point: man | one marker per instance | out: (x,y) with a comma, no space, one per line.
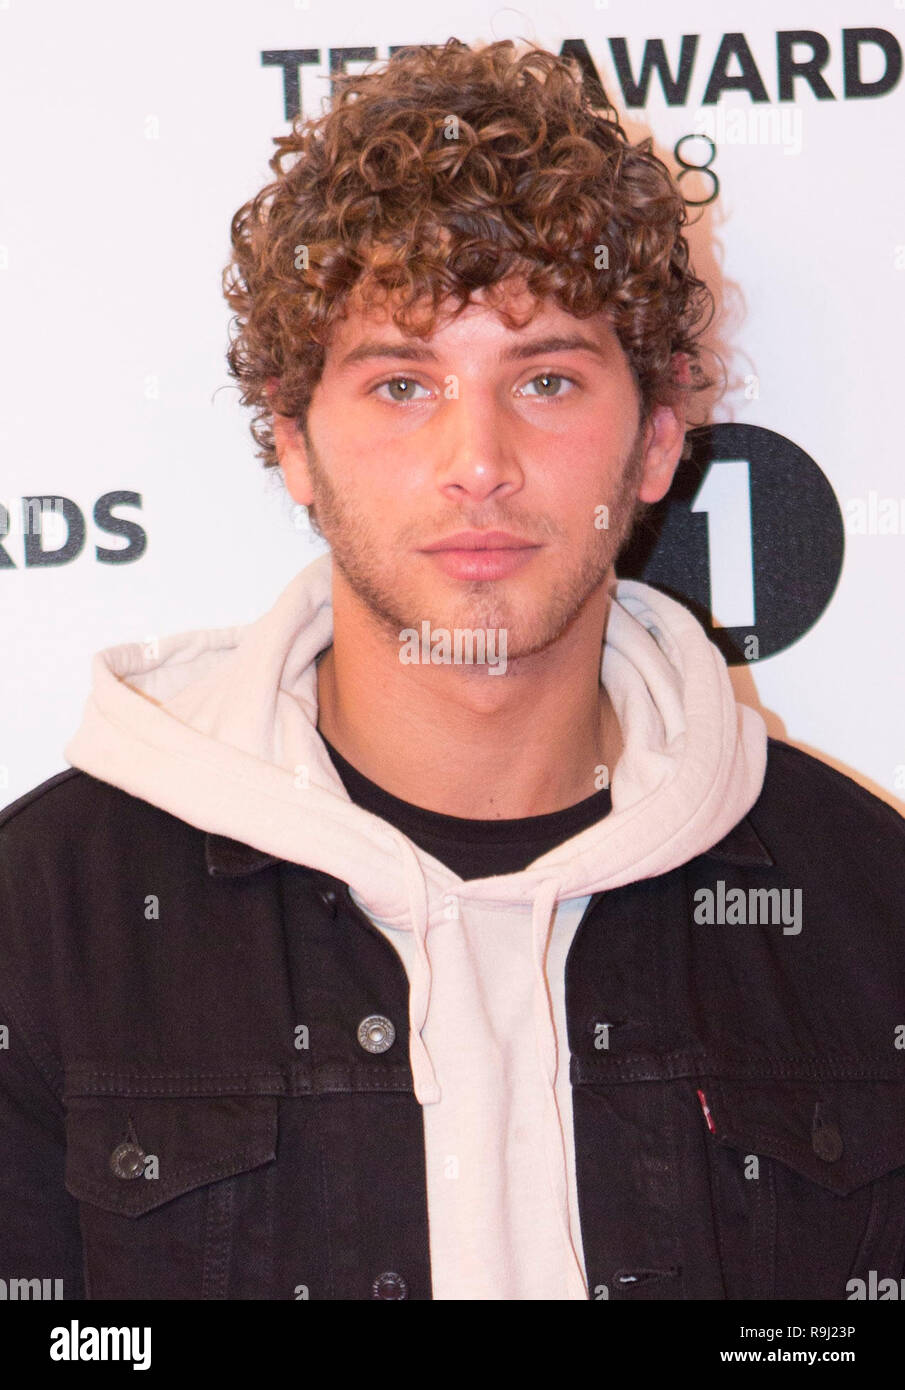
(451,932)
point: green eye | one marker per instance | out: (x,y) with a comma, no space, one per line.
(402,381)
(551,377)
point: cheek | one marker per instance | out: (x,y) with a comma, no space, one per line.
(372,483)
(579,476)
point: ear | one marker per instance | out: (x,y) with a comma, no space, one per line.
(292,453)
(664,439)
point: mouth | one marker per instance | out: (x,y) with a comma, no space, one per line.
(481,554)
(481,540)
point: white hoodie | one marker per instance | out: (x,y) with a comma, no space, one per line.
(219,728)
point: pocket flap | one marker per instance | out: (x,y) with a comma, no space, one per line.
(129,1155)
(840,1134)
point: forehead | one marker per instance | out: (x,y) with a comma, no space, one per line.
(479,322)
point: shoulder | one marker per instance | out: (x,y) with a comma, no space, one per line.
(809,812)
(44,801)
(61,802)
(798,778)
(73,821)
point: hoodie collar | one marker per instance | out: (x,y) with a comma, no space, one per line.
(218,727)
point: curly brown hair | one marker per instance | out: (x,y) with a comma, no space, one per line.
(446,171)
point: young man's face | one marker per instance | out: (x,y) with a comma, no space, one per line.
(477,428)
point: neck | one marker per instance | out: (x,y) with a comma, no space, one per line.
(451,738)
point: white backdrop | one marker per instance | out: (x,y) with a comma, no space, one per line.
(130,134)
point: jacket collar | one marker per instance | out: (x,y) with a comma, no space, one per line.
(742,846)
(231,858)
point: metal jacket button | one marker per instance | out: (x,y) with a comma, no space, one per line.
(376,1034)
(389,1285)
(128,1160)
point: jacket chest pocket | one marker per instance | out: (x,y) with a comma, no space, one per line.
(174,1194)
(808,1184)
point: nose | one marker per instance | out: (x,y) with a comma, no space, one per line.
(476,457)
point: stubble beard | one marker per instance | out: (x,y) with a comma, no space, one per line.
(361,558)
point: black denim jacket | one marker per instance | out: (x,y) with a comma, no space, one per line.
(169,1129)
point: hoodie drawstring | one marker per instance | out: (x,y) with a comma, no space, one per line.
(424,1076)
(543,915)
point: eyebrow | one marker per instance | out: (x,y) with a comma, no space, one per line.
(415,351)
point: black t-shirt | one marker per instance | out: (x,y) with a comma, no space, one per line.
(472,848)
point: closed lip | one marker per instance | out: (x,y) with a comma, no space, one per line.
(482,540)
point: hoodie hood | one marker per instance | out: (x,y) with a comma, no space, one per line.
(219,728)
